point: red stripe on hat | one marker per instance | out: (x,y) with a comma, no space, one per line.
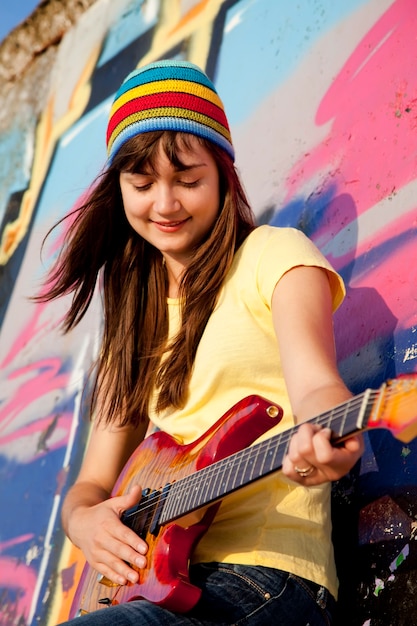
(174,99)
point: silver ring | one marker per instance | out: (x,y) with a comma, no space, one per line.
(305,471)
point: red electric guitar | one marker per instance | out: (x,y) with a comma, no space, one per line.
(181,479)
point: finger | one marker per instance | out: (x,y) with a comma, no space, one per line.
(105,558)
(119,559)
(117,571)
(127,500)
(301,447)
(305,474)
(117,539)
(323,450)
(301,462)
(355,444)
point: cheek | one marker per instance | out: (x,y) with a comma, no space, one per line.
(133,206)
(128,212)
(214,208)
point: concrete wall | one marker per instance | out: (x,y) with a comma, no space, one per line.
(322,101)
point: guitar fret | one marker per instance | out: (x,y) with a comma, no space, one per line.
(207,490)
(271,458)
(249,466)
(211,483)
(190,500)
(173,504)
(343,419)
(228,466)
(213,486)
(245,465)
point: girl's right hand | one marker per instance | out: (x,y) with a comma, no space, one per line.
(107,544)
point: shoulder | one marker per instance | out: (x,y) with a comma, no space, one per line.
(287,238)
(263,233)
(269,252)
(283,247)
(281,242)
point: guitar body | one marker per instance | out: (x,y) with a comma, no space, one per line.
(180,480)
(159,461)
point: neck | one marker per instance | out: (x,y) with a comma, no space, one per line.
(175,270)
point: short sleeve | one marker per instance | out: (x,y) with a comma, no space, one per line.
(281,249)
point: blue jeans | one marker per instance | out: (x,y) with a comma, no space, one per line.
(237,595)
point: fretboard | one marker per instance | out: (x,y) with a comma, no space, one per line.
(246,466)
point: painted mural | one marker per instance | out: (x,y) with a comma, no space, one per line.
(322,101)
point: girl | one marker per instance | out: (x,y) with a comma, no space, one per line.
(202,309)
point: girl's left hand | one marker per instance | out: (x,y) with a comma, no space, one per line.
(313,460)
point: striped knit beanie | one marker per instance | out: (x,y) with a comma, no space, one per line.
(168,95)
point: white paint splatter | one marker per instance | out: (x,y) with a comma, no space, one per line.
(410,353)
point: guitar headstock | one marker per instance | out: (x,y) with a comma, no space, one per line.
(395,407)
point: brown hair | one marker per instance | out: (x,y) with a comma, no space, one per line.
(134,283)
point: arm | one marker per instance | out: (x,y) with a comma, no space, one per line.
(91,519)
(303,322)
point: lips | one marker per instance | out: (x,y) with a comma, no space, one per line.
(170,226)
(170,223)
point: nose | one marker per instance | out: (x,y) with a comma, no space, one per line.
(166,201)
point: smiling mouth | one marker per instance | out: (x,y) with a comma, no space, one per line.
(171,224)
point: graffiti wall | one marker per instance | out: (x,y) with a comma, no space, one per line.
(322,101)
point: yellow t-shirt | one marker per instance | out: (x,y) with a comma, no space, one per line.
(272,522)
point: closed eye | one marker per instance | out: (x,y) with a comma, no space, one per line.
(143,187)
(189,183)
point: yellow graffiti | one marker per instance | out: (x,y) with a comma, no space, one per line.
(190,30)
(47,134)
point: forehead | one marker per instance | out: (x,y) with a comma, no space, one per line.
(151,151)
(185,151)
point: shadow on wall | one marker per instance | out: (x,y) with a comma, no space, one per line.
(364,324)
(374,506)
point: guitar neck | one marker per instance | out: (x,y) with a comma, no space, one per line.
(214,482)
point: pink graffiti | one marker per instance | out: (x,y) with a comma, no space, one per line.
(27,384)
(398,287)
(37,379)
(44,378)
(34,326)
(39,428)
(369,155)
(17,576)
(372,107)
(25,337)
(22,579)
(5,545)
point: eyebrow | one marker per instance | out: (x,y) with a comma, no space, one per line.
(190,166)
(183,168)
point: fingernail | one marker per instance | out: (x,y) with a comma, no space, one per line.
(133,577)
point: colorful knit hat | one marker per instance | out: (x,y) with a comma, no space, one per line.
(168,95)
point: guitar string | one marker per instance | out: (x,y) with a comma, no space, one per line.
(278,445)
(216,468)
(185,484)
(277,441)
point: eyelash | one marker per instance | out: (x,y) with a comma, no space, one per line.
(185,184)
(194,183)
